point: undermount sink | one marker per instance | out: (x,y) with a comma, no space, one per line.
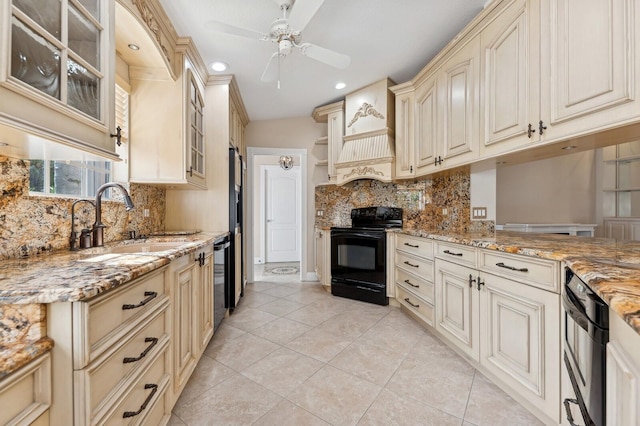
(146,247)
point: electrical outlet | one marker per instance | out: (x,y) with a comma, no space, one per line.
(319,212)
(445,212)
(478,213)
(145,212)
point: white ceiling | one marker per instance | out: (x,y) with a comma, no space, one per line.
(384,38)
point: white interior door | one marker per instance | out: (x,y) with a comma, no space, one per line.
(282,202)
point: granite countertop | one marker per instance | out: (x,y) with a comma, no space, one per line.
(609,267)
(65,276)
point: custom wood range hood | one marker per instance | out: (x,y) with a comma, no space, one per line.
(368,150)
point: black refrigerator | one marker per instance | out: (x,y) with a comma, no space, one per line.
(235,228)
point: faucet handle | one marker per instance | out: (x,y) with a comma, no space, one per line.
(85,238)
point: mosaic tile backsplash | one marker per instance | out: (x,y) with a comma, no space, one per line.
(34,224)
(436,204)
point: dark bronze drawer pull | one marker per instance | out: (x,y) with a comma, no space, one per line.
(411,245)
(502,265)
(406,262)
(471,280)
(406,299)
(153,340)
(452,253)
(150,296)
(145,403)
(411,284)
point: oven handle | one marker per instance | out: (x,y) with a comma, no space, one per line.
(368,236)
(574,310)
(567,410)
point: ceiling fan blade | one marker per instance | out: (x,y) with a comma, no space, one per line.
(329,57)
(221,27)
(270,73)
(302,12)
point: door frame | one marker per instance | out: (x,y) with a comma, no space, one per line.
(251,209)
(263,205)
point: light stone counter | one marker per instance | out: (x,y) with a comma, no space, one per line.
(26,284)
(609,267)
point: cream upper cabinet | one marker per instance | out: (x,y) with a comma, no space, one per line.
(460,84)
(510,76)
(333,115)
(405,141)
(590,63)
(57,71)
(437,124)
(167,124)
(427,125)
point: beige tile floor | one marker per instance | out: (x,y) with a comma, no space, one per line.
(293,354)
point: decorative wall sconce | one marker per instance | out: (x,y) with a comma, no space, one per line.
(286,162)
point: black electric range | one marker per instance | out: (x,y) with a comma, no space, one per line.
(358,254)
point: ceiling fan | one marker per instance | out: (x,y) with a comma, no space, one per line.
(286,33)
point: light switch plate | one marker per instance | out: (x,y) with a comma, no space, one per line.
(478,213)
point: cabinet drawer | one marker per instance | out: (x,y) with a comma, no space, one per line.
(139,400)
(415,245)
(457,253)
(415,265)
(104,320)
(541,273)
(26,393)
(423,287)
(110,372)
(415,304)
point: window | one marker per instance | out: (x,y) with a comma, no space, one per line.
(72,178)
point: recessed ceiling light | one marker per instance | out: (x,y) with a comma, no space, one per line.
(219,66)
(4,144)
(340,85)
(569,147)
(133,46)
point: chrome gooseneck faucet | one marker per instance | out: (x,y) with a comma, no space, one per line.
(73,243)
(98,226)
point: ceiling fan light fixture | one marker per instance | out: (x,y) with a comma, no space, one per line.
(340,85)
(219,66)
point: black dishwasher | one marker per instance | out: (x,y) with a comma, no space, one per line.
(221,250)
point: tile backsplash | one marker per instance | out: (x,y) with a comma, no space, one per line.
(436,203)
(31,224)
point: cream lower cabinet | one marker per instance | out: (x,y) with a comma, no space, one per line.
(509,327)
(623,373)
(192,306)
(25,395)
(413,276)
(322,256)
(110,362)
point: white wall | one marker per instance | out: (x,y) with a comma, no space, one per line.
(556,190)
(299,133)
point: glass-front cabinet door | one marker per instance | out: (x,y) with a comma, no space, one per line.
(59,57)
(196,128)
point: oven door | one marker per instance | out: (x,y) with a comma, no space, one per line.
(358,256)
(584,358)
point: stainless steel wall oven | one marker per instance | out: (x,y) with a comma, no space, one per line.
(586,335)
